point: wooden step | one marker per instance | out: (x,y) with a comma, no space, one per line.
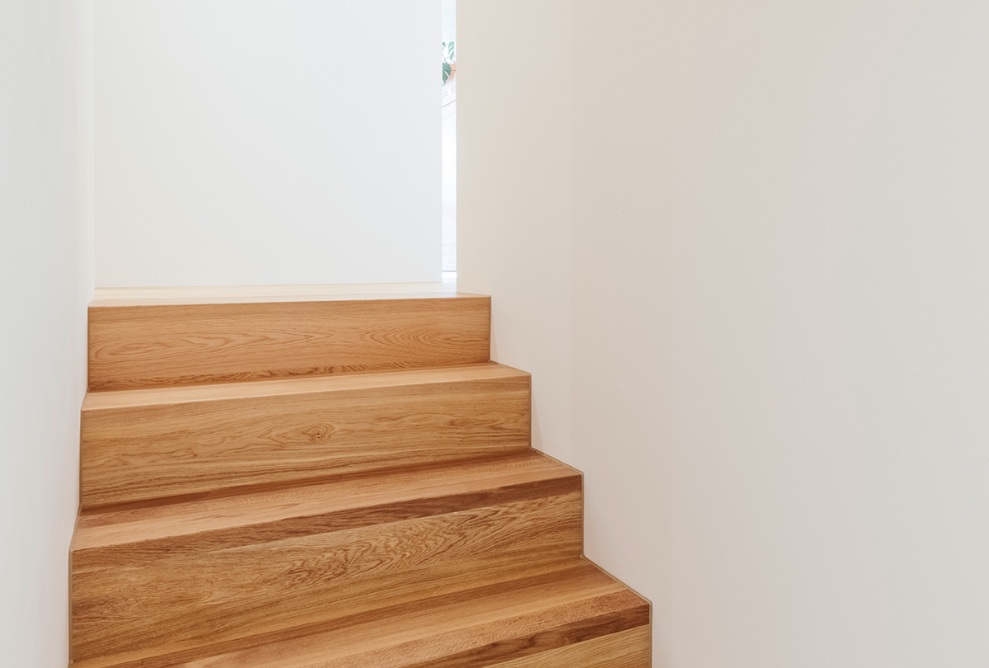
(155,342)
(163,580)
(147,444)
(572,616)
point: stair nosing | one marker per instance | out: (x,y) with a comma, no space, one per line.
(260,389)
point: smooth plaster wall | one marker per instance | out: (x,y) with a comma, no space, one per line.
(243,142)
(774,238)
(515,189)
(46,280)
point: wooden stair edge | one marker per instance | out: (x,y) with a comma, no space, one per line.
(562,610)
(179,599)
(264,388)
(623,649)
(369,497)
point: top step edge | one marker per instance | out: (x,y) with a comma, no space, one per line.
(263,294)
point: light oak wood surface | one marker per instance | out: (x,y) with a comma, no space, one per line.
(624,649)
(139,445)
(342,504)
(299,479)
(513,621)
(510,622)
(185,344)
(202,579)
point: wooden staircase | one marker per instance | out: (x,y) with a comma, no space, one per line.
(315,482)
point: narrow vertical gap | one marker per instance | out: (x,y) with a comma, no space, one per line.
(449,139)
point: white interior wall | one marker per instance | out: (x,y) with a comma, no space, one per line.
(46,280)
(244,142)
(515,189)
(758,264)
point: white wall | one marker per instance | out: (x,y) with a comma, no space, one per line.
(514,188)
(46,280)
(246,142)
(777,311)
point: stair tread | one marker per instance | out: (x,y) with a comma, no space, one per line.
(482,626)
(424,490)
(129,398)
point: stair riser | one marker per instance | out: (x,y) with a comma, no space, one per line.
(137,453)
(156,346)
(133,601)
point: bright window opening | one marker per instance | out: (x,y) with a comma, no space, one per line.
(449,136)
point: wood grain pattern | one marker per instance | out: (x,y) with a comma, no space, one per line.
(192,588)
(366,497)
(516,619)
(270,516)
(625,649)
(145,444)
(455,587)
(186,344)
